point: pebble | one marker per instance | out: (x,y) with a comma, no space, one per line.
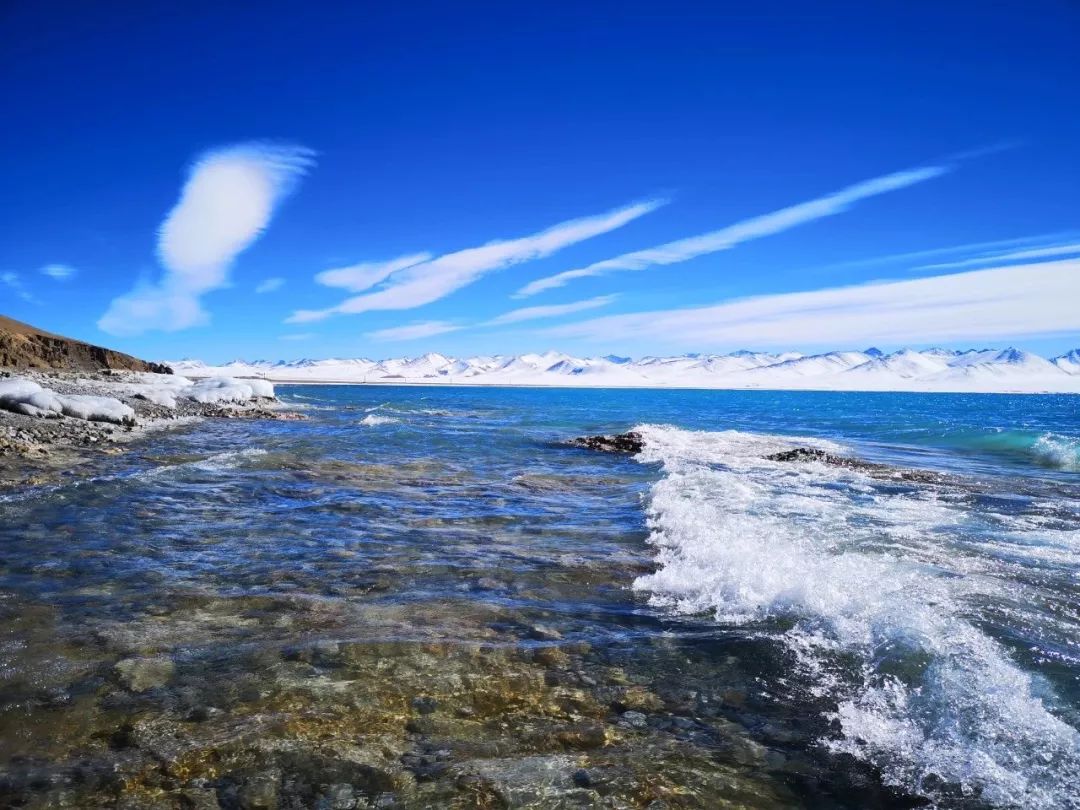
(551,657)
(199,799)
(540,632)
(338,797)
(634,719)
(425,704)
(260,792)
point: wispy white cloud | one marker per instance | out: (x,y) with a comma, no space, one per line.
(951,250)
(428,281)
(60,272)
(298,336)
(414,331)
(754,228)
(269,285)
(1014,256)
(552,311)
(1004,302)
(228,200)
(14,283)
(430,328)
(364,276)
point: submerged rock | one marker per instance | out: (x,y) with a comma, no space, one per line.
(143,674)
(630,442)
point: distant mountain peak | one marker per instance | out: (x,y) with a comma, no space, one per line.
(907,369)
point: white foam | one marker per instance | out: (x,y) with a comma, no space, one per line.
(870,575)
(374,420)
(218,462)
(1058,451)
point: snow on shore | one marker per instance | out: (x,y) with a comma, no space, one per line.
(92,400)
(24,396)
(930,370)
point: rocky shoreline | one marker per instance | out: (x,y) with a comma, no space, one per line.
(43,448)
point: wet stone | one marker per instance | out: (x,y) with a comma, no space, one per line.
(338,797)
(199,799)
(634,719)
(420,725)
(541,632)
(551,657)
(582,778)
(425,704)
(583,736)
(638,699)
(143,674)
(630,442)
(259,792)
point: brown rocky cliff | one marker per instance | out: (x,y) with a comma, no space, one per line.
(23,346)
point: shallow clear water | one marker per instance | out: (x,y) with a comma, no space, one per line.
(692,623)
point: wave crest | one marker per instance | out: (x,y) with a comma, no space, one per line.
(1058,451)
(868,575)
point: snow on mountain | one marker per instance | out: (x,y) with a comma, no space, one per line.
(1009,362)
(974,370)
(906,364)
(1069,363)
(815,365)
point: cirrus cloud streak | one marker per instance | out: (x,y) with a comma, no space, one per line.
(1004,302)
(428,281)
(551,311)
(754,228)
(414,331)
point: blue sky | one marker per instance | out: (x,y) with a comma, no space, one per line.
(279,180)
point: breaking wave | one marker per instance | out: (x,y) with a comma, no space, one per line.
(1044,448)
(374,420)
(1058,451)
(872,576)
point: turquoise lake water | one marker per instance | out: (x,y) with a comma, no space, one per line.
(832,636)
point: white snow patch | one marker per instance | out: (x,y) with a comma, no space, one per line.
(22,395)
(28,397)
(97,409)
(228,389)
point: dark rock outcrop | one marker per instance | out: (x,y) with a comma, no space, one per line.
(880,471)
(25,347)
(618,443)
(806,454)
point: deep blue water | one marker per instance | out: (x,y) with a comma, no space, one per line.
(924,629)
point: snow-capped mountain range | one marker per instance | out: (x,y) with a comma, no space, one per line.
(974,370)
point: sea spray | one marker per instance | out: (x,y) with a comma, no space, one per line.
(1058,451)
(869,574)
